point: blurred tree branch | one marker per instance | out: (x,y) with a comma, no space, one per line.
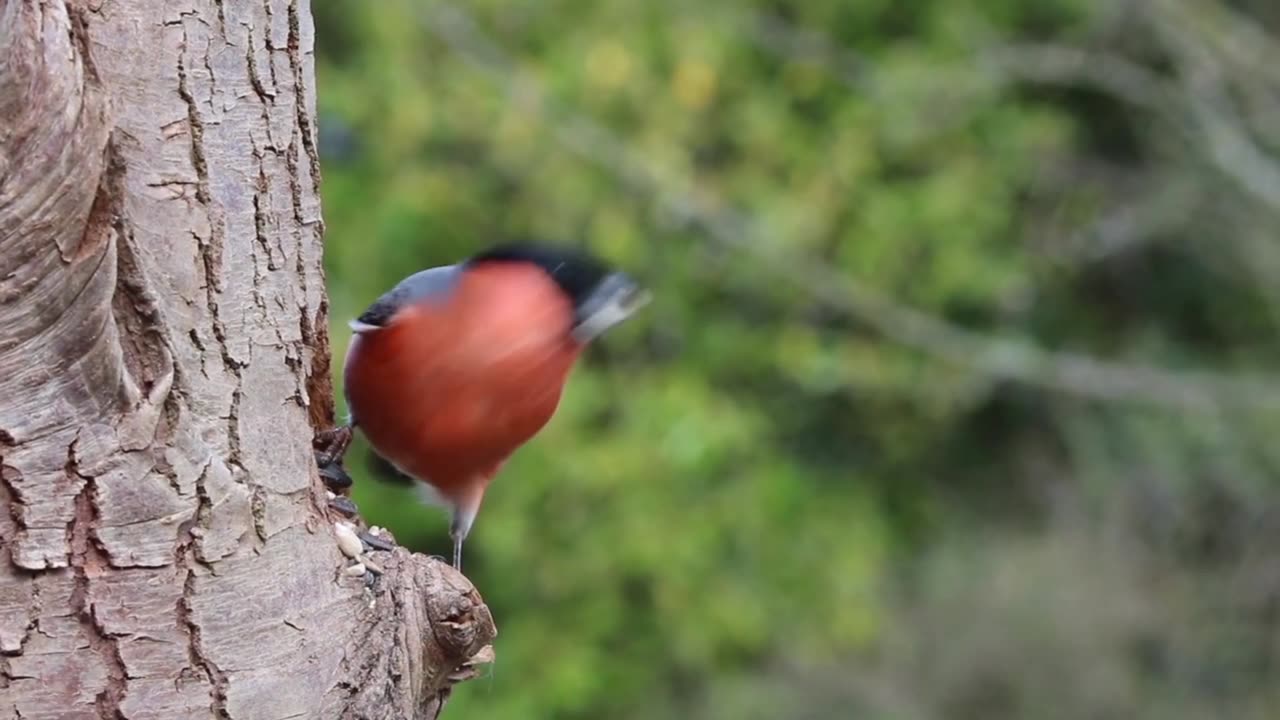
(998,357)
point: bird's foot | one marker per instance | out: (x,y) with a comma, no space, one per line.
(331,445)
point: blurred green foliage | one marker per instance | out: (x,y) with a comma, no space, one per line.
(745,504)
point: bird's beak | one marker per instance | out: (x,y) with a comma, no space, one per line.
(615,299)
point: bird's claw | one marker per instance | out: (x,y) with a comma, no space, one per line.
(331,445)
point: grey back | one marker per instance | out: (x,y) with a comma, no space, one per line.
(436,282)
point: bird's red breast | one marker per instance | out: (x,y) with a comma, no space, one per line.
(452,386)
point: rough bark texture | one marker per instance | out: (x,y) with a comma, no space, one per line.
(164,545)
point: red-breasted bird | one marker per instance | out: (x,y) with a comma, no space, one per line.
(456,367)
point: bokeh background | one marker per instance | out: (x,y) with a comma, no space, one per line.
(956,399)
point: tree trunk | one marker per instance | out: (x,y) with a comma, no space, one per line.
(165,546)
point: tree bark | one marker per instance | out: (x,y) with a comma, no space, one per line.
(165,546)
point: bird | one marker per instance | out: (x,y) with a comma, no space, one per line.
(456,367)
